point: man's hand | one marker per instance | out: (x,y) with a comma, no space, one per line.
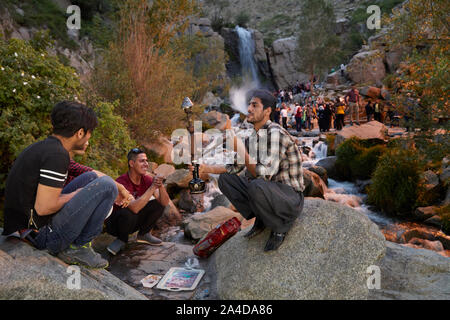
(124,197)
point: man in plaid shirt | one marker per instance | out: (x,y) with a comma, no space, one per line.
(271,186)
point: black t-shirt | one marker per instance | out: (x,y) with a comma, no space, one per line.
(45,162)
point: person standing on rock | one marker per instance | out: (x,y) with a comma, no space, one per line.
(352,99)
(284,116)
(64,224)
(142,213)
(269,189)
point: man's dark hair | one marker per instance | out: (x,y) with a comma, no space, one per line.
(68,117)
(267,98)
(132,155)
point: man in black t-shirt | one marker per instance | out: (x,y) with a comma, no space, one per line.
(64,224)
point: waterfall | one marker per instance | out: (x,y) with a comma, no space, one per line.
(246,56)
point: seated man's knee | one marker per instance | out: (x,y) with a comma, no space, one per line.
(255,187)
(223,178)
(108,183)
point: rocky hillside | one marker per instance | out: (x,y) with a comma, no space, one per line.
(274,18)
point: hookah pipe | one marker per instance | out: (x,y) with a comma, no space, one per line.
(196,185)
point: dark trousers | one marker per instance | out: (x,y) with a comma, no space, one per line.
(284,122)
(123,222)
(340,121)
(276,204)
(298,123)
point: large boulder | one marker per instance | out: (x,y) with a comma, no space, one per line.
(325,255)
(198,225)
(329,164)
(372,130)
(163,147)
(31,274)
(215,119)
(283,63)
(412,274)
(367,67)
(314,185)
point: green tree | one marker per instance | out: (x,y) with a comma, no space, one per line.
(317,44)
(421,86)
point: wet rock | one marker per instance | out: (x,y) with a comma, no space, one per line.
(329,164)
(417,233)
(427,244)
(424,213)
(324,256)
(321,172)
(434,221)
(314,185)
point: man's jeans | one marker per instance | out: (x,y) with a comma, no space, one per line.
(81,219)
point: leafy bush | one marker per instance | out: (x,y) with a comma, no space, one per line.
(242,19)
(366,162)
(109,143)
(357,159)
(31,83)
(396,181)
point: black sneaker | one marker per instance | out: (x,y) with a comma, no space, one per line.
(275,240)
(257,228)
(83,255)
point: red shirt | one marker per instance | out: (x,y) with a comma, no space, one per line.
(136,190)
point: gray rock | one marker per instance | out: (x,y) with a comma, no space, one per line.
(220,200)
(329,164)
(373,130)
(434,221)
(28,273)
(197,226)
(367,67)
(283,62)
(314,185)
(324,256)
(412,274)
(321,172)
(423,213)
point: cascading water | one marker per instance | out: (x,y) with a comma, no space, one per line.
(246,56)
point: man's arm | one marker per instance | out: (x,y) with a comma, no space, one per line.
(50,200)
(138,204)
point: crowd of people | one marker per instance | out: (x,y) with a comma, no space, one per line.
(307,111)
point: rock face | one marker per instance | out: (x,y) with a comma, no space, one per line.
(283,63)
(32,274)
(372,130)
(329,164)
(415,274)
(324,256)
(314,185)
(367,67)
(199,225)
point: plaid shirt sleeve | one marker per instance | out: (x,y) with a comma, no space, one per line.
(75,170)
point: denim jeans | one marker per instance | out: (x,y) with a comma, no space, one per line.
(80,182)
(81,219)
